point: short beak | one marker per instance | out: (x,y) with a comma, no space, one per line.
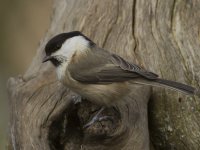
(46,58)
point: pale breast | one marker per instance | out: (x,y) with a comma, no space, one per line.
(60,71)
(101,94)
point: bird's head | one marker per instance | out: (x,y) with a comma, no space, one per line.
(62,47)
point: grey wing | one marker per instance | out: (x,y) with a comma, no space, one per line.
(133,68)
(108,68)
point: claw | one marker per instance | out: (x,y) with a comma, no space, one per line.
(106,118)
(96,118)
(77,99)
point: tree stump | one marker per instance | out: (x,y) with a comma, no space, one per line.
(162,36)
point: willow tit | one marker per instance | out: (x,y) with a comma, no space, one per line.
(96,74)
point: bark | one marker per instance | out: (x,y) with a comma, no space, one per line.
(162,36)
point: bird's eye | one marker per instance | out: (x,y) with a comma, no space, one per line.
(58,46)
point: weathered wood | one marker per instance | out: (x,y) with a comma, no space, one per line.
(162,36)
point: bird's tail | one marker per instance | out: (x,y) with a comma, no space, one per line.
(170,84)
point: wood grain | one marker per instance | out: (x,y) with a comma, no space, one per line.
(163,36)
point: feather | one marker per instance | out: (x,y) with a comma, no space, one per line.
(101,67)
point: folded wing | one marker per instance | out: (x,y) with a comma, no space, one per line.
(101,67)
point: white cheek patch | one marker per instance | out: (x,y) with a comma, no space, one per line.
(68,49)
(70,46)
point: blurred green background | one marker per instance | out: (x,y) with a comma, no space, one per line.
(23,23)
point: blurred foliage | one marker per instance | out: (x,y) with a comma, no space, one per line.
(23,24)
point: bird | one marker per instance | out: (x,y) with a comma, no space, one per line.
(98,75)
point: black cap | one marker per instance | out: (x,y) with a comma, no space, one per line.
(56,42)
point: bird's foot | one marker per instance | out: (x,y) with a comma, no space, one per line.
(76,99)
(97,118)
